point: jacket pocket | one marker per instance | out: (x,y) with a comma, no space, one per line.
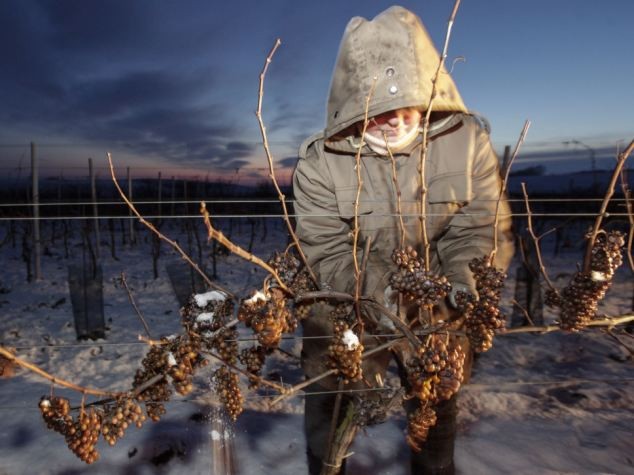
(345,203)
(450,188)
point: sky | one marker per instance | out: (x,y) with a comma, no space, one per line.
(172,86)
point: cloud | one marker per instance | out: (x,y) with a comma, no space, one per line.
(287,162)
(150,79)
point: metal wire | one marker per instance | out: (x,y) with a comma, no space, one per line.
(265,201)
(331,215)
(136,342)
(466,388)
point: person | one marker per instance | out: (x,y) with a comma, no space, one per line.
(392,58)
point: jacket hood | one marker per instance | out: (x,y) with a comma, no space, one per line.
(394,48)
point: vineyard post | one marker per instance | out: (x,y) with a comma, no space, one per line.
(159,197)
(95,213)
(173,199)
(130,195)
(35,196)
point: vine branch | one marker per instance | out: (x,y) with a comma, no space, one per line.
(622,157)
(152,228)
(55,380)
(505,180)
(269,157)
(213,233)
(424,145)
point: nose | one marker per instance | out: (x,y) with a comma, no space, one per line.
(395,120)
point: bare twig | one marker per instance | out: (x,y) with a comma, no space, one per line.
(627,194)
(364,262)
(355,231)
(424,146)
(53,379)
(213,233)
(398,323)
(290,391)
(251,376)
(604,322)
(616,338)
(134,305)
(333,422)
(399,209)
(325,294)
(152,228)
(496,220)
(604,205)
(524,311)
(538,253)
(269,157)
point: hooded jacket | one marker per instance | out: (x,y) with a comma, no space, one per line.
(394,52)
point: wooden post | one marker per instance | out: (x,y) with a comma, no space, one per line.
(131,219)
(35,195)
(173,196)
(160,193)
(505,160)
(185,196)
(59,195)
(95,213)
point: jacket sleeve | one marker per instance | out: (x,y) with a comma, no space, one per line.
(325,237)
(469,234)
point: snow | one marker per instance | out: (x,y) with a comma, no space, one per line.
(212,296)
(258,296)
(350,339)
(205,317)
(536,404)
(598,276)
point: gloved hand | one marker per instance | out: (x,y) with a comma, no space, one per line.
(390,302)
(459,287)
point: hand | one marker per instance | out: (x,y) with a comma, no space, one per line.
(459,287)
(390,302)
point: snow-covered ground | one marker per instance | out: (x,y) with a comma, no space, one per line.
(536,404)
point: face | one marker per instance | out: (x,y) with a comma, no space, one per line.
(394,124)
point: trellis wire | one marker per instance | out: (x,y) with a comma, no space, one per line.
(273,201)
(466,388)
(325,215)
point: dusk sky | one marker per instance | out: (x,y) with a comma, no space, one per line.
(172,86)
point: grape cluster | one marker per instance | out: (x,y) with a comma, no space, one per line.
(302,310)
(225,383)
(415,283)
(208,321)
(436,373)
(81,435)
(345,350)
(483,315)
(154,363)
(552,298)
(56,413)
(118,417)
(579,301)
(253,359)
(418,424)
(607,254)
(183,358)
(292,273)
(286,265)
(178,357)
(268,316)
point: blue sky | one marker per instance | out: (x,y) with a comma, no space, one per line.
(173,85)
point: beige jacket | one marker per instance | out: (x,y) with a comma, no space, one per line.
(461,169)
